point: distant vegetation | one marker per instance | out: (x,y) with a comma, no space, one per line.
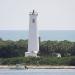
(10,48)
(39,61)
(12,52)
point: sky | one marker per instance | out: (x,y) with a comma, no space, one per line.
(53,14)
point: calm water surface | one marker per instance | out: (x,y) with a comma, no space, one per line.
(39,72)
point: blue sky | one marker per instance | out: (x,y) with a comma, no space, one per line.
(45,35)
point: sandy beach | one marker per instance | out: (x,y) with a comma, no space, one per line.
(36,67)
(51,67)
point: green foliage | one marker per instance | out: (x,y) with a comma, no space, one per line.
(9,49)
(72,61)
(13,52)
(39,61)
(65,48)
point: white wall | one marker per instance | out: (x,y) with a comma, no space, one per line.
(33,40)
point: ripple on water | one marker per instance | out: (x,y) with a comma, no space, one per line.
(38,72)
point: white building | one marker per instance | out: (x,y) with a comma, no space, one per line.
(56,55)
(33,40)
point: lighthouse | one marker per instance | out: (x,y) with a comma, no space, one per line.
(33,39)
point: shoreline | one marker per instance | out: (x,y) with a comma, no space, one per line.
(51,67)
(35,67)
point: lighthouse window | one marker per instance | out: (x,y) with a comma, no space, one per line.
(33,20)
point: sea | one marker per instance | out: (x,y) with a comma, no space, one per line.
(53,35)
(38,72)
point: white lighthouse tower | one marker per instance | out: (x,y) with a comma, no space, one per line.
(33,40)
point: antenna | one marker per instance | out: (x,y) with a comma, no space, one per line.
(33,12)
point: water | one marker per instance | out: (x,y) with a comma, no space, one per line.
(45,35)
(38,72)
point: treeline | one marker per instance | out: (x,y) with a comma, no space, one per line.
(65,48)
(10,48)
